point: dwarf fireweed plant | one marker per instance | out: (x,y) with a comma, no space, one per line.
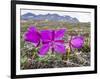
(75,42)
(51,40)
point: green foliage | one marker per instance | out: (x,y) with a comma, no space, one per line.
(85,48)
(23,59)
(49,57)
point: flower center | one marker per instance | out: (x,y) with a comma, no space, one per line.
(52,43)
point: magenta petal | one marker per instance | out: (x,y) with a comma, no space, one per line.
(77,42)
(32,28)
(46,35)
(59,33)
(59,41)
(59,48)
(32,35)
(44,49)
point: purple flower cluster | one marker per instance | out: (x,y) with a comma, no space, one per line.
(51,39)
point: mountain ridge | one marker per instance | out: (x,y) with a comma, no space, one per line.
(49,17)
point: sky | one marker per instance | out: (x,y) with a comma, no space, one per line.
(81,16)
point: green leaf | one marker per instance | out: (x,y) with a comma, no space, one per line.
(23,60)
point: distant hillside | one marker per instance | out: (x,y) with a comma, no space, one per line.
(49,17)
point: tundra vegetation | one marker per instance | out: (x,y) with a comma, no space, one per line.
(73,57)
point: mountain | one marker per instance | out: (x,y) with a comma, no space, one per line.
(49,17)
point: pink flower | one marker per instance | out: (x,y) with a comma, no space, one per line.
(52,39)
(77,42)
(32,35)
